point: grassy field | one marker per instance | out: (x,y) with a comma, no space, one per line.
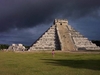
(42,63)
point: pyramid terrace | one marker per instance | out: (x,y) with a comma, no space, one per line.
(61,36)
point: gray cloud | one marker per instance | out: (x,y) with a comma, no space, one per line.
(23,21)
(29,13)
(24,36)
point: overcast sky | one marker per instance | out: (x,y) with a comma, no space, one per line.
(23,21)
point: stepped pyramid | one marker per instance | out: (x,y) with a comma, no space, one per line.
(61,36)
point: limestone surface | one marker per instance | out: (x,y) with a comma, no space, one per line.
(16,47)
(61,36)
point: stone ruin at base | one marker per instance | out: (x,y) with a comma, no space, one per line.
(61,36)
(16,47)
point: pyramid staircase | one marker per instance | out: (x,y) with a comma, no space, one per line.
(62,36)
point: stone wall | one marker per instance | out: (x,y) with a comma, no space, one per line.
(80,41)
(17,47)
(62,36)
(48,41)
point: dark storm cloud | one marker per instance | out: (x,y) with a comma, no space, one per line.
(24,36)
(29,13)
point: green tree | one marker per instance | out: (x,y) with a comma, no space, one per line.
(4,46)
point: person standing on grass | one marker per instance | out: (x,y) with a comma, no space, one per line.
(53,53)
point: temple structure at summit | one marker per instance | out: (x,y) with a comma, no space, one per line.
(61,36)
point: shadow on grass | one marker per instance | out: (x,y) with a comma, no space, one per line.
(80,64)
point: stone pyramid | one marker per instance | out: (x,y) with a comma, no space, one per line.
(61,36)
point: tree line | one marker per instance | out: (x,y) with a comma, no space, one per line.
(5,46)
(97,42)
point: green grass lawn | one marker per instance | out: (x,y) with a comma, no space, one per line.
(42,63)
